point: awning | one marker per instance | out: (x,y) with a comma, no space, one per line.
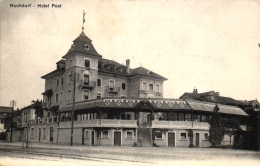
(206,106)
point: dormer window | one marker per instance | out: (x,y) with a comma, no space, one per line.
(87,47)
(112,69)
(124,71)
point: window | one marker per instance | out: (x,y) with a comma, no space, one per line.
(158,135)
(85,94)
(204,118)
(111,83)
(183,135)
(69,77)
(151,87)
(99,66)
(187,117)
(32,133)
(70,63)
(69,95)
(62,80)
(86,79)
(57,82)
(50,84)
(86,134)
(104,134)
(43,134)
(129,134)
(157,88)
(181,116)
(61,96)
(98,95)
(123,86)
(173,117)
(99,82)
(144,86)
(86,46)
(206,136)
(57,97)
(87,63)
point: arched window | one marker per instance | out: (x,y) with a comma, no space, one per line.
(32,133)
(51,134)
(43,132)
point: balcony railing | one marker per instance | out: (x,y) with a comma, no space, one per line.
(87,84)
(112,89)
(101,123)
(180,124)
(158,94)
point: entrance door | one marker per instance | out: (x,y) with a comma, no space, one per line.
(117,138)
(83,130)
(40,134)
(197,140)
(171,139)
(51,134)
(92,137)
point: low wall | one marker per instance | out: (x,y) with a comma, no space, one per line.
(17,136)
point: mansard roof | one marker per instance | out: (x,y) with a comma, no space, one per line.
(82,44)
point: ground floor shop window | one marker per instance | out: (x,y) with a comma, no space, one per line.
(206,136)
(183,136)
(129,134)
(158,135)
(104,134)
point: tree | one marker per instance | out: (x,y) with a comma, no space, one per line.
(37,105)
(231,126)
(216,132)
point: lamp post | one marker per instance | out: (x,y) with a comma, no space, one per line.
(74,78)
(12,103)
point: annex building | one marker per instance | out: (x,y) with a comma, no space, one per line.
(114,104)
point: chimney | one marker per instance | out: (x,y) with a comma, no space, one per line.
(217,93)
(128,65)
(195,90)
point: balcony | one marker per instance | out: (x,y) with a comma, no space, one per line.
(112,89)
(157,94)
(87,85)
(180,125)
(101,123)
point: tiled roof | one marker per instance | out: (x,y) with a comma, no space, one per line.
(106,64)
(61,70)
(82,44)
(6,109)
(158,104)
(145,72)
(217,99)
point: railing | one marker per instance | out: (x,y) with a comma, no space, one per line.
(151,92)
(180,124)
(112,89)
(100,123)
(87,85)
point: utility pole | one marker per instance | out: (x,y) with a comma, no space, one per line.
(74,78)
(12,103)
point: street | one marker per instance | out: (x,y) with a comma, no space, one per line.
(45,154)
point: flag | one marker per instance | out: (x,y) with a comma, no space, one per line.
(83,16)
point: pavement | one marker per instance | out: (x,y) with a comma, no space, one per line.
(133,155)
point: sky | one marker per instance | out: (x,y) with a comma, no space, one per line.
(207,44)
